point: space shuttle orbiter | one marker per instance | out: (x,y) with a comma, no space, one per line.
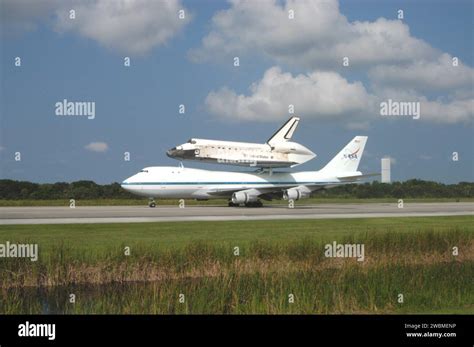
(278,151)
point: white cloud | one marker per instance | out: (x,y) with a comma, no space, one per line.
(128,26)
(327,95)
(321,95)
(457,107)
(424,75)
(99,147)
(400,66)
(319,35)
(449,112)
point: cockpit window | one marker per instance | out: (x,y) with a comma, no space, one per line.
(192,141)
(144,170)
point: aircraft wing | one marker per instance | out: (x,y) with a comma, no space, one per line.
(275,192)
(258,191)
(265,193)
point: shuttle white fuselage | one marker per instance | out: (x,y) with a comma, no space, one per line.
(285,154)
(278,151)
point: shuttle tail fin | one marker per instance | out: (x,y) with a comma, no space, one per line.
(285,132)
(348,159)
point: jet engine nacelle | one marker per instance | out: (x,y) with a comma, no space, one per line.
(243,198)
(296,194)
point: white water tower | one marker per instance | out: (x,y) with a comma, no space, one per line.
(385,170)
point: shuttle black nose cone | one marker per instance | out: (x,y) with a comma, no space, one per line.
(171,152)
(180,153)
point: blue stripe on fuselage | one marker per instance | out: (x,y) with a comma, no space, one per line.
(214,183)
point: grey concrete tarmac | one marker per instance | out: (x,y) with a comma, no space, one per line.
(136,214)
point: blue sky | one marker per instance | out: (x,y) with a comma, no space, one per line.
(137,106)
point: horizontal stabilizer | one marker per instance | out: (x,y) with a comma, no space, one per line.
(357,177)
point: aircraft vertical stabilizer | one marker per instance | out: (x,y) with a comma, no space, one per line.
(285,132)
(348,159)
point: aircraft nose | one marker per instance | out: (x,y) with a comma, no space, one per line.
(125,185)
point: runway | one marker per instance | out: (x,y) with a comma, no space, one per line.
(139,214)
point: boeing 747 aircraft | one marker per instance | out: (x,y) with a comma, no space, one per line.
(278,151)
(247,188)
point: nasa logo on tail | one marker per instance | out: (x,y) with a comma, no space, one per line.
(352,155)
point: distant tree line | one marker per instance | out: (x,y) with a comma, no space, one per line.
(15,190)
(409,189)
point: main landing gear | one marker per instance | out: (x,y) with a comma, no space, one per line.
(257,203)
(151,202)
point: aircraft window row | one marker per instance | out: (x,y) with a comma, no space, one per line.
(144,170)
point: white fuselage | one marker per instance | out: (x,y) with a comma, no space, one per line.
(283,154)
(186,183)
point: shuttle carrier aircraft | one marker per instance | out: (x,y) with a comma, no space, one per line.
(278,151)
(247,188)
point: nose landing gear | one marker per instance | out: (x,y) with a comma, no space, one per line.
(151,202)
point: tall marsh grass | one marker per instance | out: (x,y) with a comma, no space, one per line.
(420,265)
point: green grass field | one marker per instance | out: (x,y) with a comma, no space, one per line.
(100,237)
(276,259)
(223,202)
